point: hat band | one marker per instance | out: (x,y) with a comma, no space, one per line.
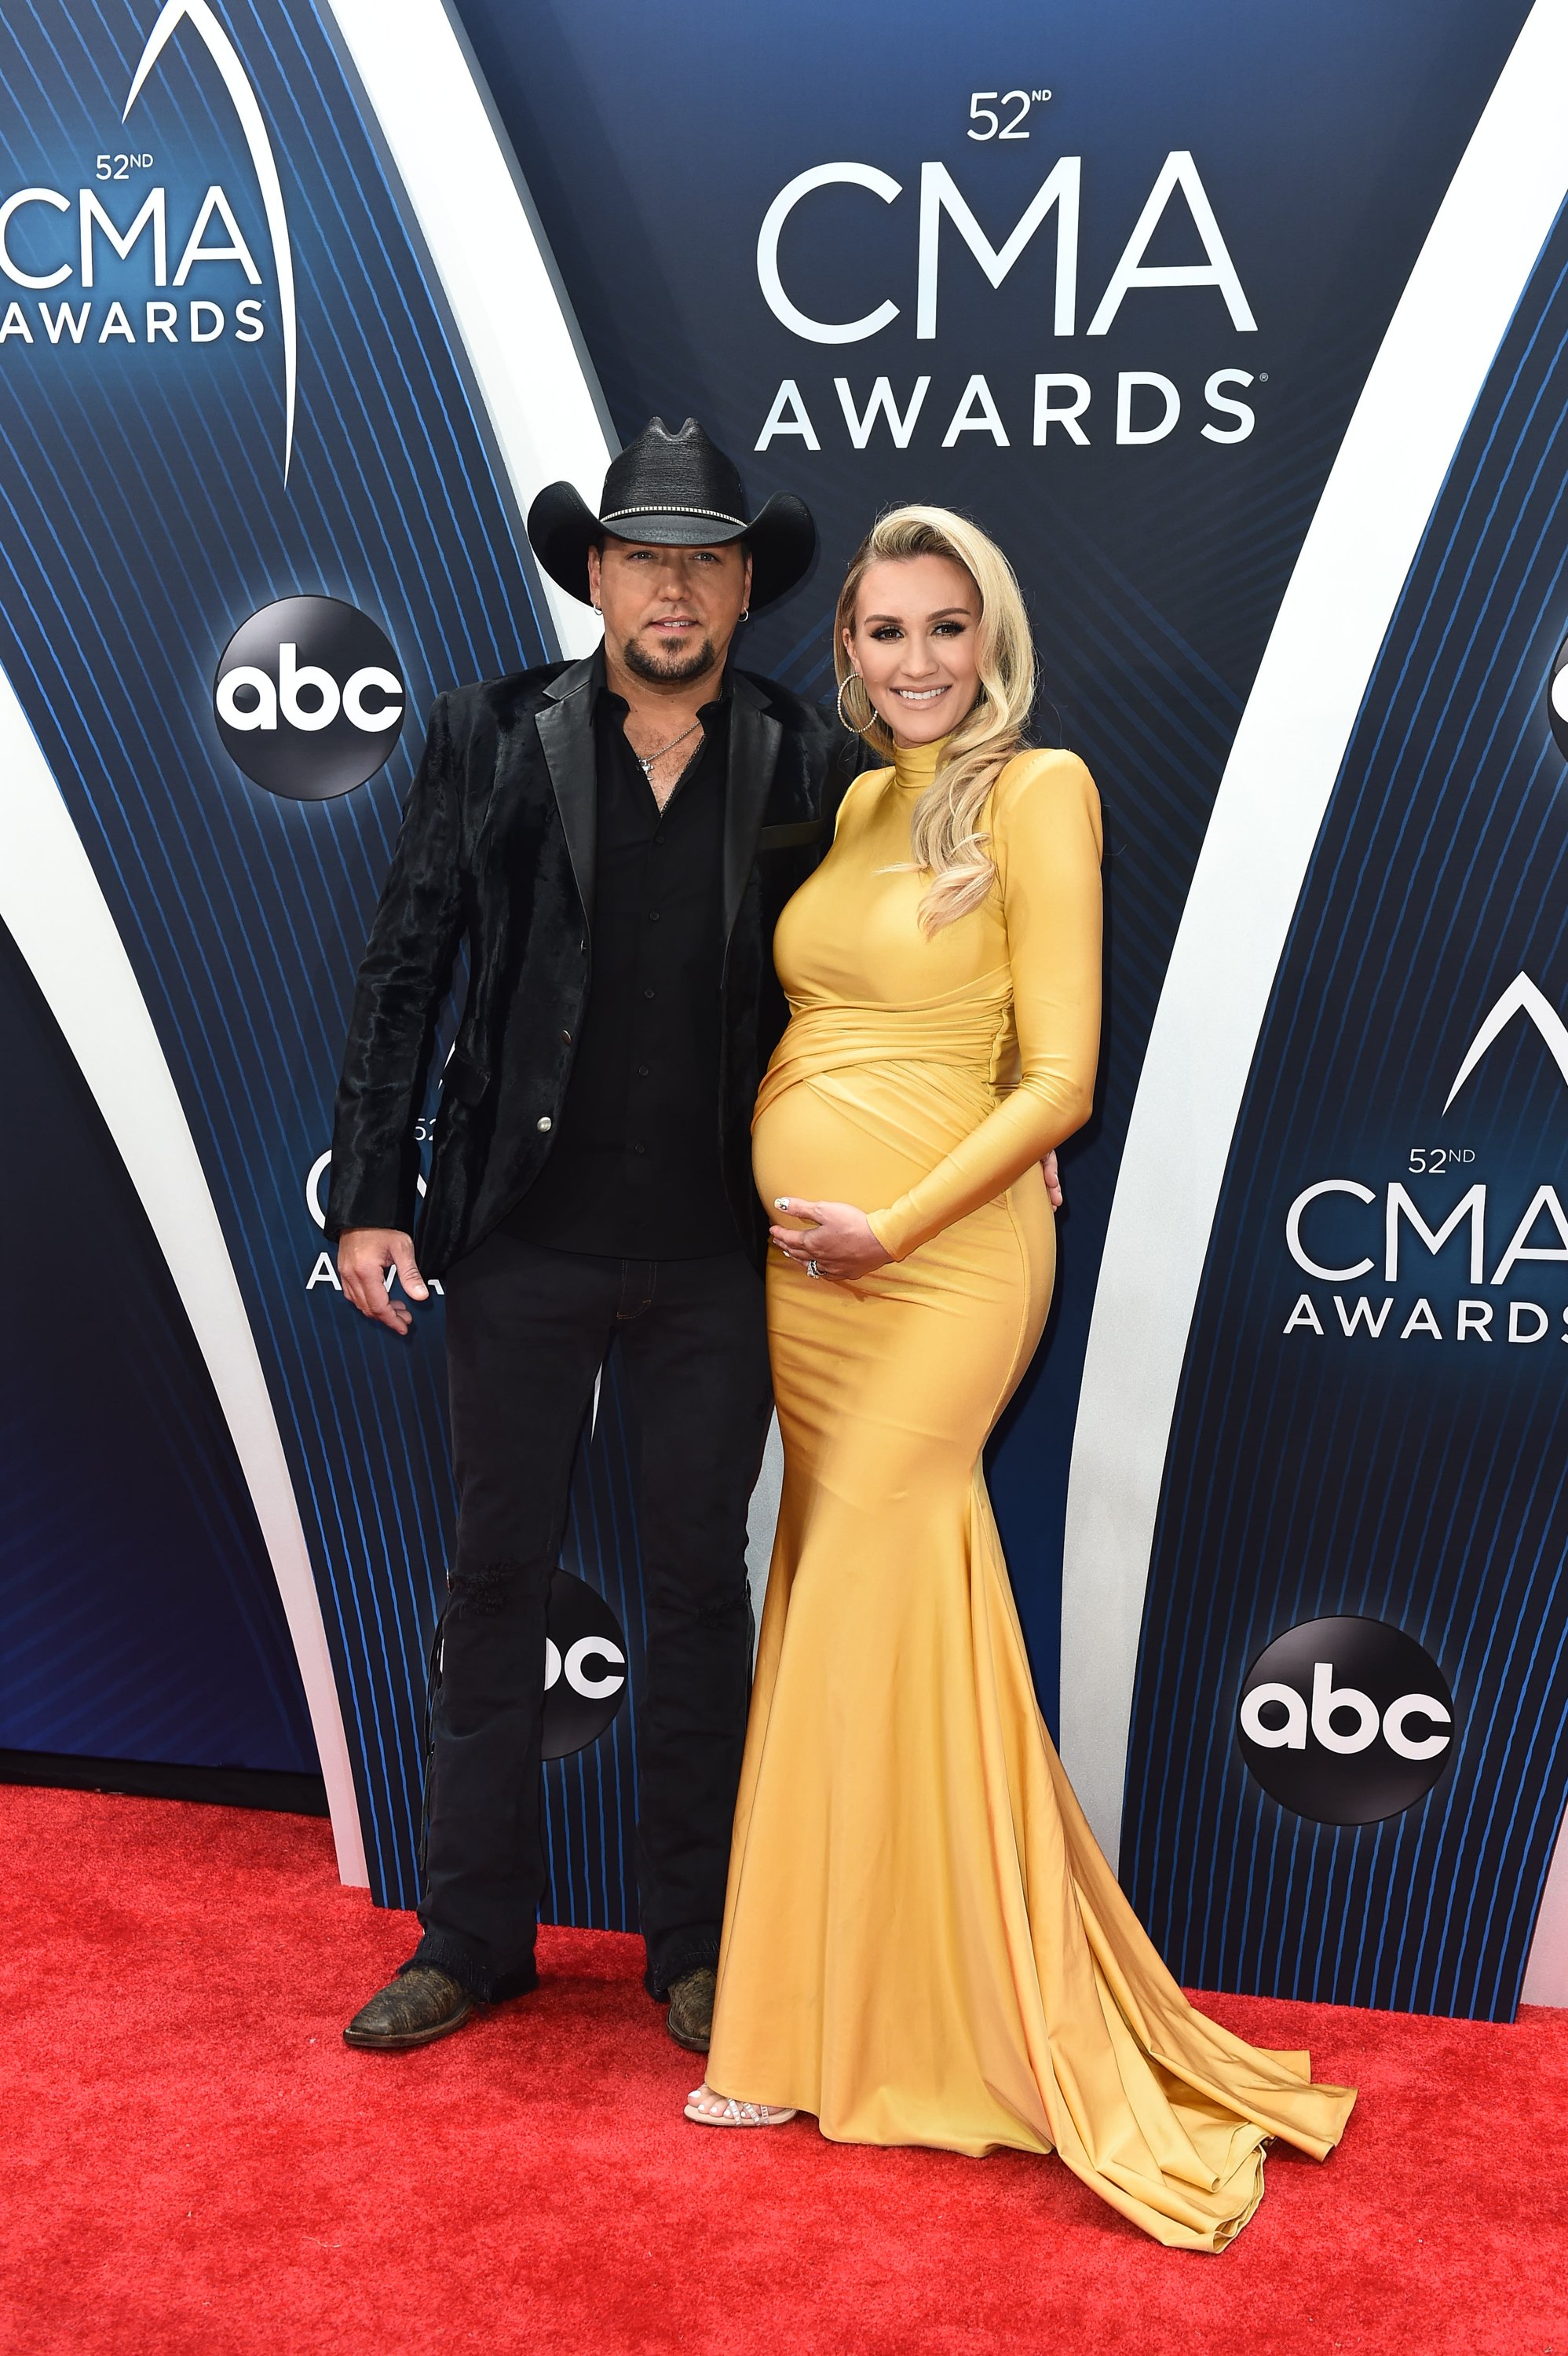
(711,514)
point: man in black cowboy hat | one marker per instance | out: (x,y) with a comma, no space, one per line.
(616,839)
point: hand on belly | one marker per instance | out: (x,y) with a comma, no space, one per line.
(832,1239)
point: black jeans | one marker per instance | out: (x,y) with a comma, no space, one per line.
(528,1329)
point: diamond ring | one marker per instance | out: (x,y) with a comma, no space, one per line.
(812,1269)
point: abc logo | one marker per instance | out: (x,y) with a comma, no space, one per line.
(309,698)
(1345,1721)
(584,1665)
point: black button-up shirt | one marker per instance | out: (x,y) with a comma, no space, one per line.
(634,1169)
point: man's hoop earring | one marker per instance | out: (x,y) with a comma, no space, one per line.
(745,612)
(853,678)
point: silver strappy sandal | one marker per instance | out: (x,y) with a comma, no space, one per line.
(733,2114)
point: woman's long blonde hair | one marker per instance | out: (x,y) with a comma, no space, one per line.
(943,833)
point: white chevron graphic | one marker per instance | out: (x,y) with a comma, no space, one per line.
(1520,997)
(237,83)
(536,385)
(1332,621)
(54,908)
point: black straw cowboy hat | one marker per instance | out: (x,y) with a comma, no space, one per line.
(675,490)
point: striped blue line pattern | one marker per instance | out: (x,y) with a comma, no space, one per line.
(143,516)
(1415,1481)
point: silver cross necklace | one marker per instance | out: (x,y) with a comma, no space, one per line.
(646,762)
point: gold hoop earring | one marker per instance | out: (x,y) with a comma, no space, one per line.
(859,727)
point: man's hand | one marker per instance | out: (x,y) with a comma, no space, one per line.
(1052,1183)
(835,1235)
(364,1256)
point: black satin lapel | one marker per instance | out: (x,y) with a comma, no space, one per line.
(566,732)
(754,740)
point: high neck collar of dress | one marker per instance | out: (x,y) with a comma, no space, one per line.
(915,764)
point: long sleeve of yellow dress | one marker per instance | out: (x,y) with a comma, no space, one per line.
(1045,837)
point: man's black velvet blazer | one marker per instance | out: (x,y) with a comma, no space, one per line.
(497,845)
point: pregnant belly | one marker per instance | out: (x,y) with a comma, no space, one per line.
(864,1135)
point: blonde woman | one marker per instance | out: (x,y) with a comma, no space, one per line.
(923,1944)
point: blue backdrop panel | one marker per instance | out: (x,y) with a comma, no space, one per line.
(144,516)
(1153,572)
(1406,1474)
(139,1617)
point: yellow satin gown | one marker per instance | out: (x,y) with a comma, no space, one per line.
(923,1942)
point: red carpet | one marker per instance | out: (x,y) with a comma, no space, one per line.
(191,2160)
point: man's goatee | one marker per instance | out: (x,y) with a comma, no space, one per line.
(671,673)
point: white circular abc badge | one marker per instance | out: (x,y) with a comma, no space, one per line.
(1345,1721)
(309,698)
(585,1666)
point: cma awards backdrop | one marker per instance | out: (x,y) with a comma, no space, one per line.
(1242,328)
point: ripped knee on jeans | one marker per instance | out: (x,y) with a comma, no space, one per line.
(484,1587)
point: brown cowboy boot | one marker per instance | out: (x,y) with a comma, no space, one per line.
(418,2006)
(690,2017)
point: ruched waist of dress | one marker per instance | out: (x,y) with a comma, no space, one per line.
(962,1035)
